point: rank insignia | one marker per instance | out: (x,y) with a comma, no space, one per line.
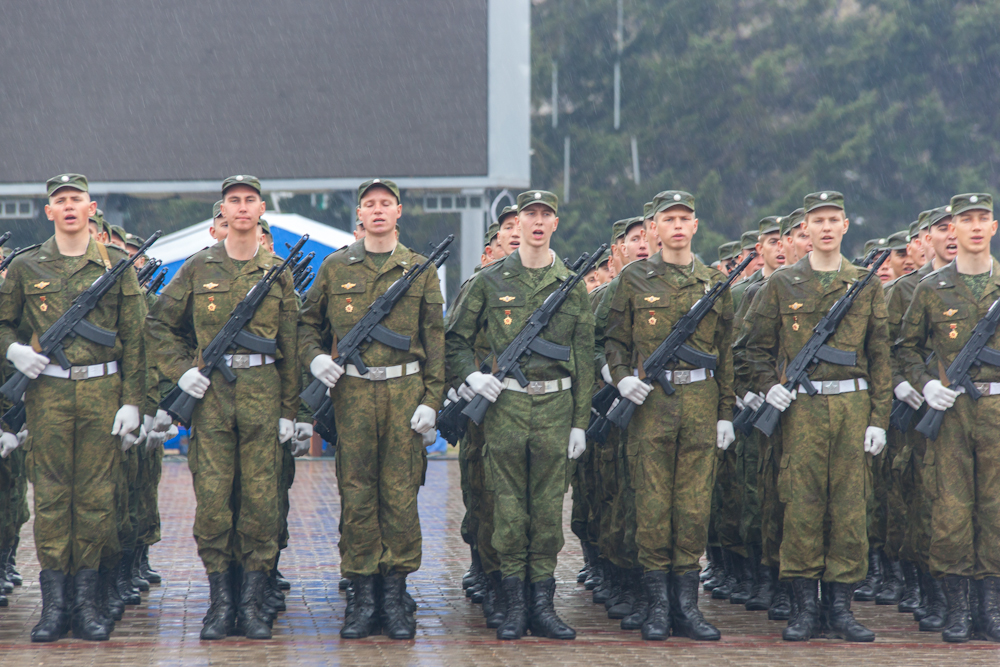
(348,285)
(210,285)
(507,321)
(652,318)
(950,312)
(44,305)
(651,299)
(42,285)
(350,306)
(796,305)
(507,299)
(953,333)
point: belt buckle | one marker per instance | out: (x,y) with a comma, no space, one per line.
(241,361)
(681,377)
(831,387)
(376,373)
(536,388)
(79,373)
(983,387)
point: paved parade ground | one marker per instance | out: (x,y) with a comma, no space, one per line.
(450,630)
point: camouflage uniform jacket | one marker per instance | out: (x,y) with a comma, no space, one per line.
(740,288)
(650,297)
(940,318)
(198,301)
(898,295)
(482,346)
(792,302)
(347,283)
(742,379)
(41,285)
(499,302)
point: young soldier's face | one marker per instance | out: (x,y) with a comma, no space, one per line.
(635,246)
(771,249)
(901,262)
(915,249)
(509,236)
(494,251)
(652,238)
(604,271)
(974,229)
(379,211)
(592,281)
(70,210)
(801,242)
(940,238)
(359,232)
(826,227)
(537,223)
(675,227)
(219,229)
(885,272)
(242,207)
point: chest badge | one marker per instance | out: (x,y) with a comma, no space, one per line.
(350,306)
(507,299)
(506,320)
(211,305)
(348,286)
(44,305)
(795,323)
(210,285)
(651,299)
(42,285)
(950,312)
(652,318)
(953,333)
(796,305)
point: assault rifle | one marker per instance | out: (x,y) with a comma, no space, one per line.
(4,238)
(17,251)
(144,274)
(529,340)
(674,347)
(973,353)
(157,282)
(181,404)
(816,350)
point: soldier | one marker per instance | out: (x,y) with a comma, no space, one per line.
(382,415)
(797,241)
(824,474)
(117,236)
(957,465)
(652,239)
(915,247)
(900,259)
(236,427)
(218,228)
(748,242)
(728,252)
(530,437)
(669,447)
(73,420)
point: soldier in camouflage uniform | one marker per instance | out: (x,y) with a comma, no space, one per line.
(236,427)
(960,466)
(825,475)
(526,458)
(382,415)
(73,420)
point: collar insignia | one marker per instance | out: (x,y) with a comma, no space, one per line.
(950,312)
(210,285)
(348,285)
(796,305)
(651,299)
(508,298)
(41,285)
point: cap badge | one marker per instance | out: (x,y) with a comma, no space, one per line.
(950,312)
(947,209)
(240,177)
(538,195)
(796,305)
(348,285)
(210,285)
(506,320)
(508,298)
(65,179)
(651,299)
(973,199)
(377,180)
(824,196)
(677,197)
(41,285)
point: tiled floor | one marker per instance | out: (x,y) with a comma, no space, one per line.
(164,629)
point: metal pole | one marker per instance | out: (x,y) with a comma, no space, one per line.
(566,170)
(555,93)
(635,160)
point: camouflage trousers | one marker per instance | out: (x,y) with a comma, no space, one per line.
(528,472)
(470,476)
(583,521)
(17,513)
(71,463)
(672,460)
(894,507)
(747,465)
(381,465)
(606,461)
(127,485)
(285,480)
(824,480)
(772,510)
(235,441)
(962,479)
(481,498)
(727,500)
(149,498)
(908,476)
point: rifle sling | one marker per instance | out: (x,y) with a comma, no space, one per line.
(103,252)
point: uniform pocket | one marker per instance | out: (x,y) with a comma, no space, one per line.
(785,479)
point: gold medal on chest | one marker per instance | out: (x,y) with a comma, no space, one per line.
(652,318)
(350,306)
(953,333)
(795,324)
(44,305)
(211,306)
(507,321)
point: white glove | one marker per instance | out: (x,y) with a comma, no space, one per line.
(162,421)
(939,396)
(754,400)
(874,440)
(143,431)
(303,439)
(606,374)
(779,397)
(905,392)
(26,360)
(22,436)
(126,420)
(155,439)
(430,437)
(130,439)
(485,385)
(452,395)
(286,429)
(577,443)
(739,403)
(724,434)
(8,443)
(194,383)
(634,389)
(423,419)
(465,392)
(326,370)
(171,433)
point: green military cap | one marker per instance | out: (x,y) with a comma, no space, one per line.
(265,227)
(75,181)
(376,182)
(618,229)
(898,240)
(102,223)
(971,202)
(605,257)
(632,222)
(792,220)
(491,233)
(119,230)
(647,210)
(912,230)
(872,244)
(825,198)
(545,197)
(729,250)
(769,225)
(134,240)
(670,198)
(748,239)
(507,210)
(938,215)
(217,210)
(923,218)
(241,179)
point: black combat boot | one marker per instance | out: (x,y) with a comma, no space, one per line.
(6,586)
(603,590)
(892,582)
(345,583)
(490,599)
(781,603)
(656,627)
(283,584)
(249,620)
(615,588)
(688,620)
(640,608)
(148,573)
(220,622)
(958,622)
(86,621)
(54,623)
(870,587)
(471,576)
(13,576)
(729,564)
(989,608)
(744,582)
(115,605)
(545,622)
(630,582)
(937,606)
(584,573)
(515,623)
(841,621)
(126,590)
(396,621)
(803,624)
(762,593)
(706,574)
(363,617)
(910,599)
(105,615)
(596,576)
(495,620)
(718,569)
(137,579)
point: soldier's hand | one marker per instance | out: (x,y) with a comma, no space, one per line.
(429,438)
(423,419)
(22,435)
(129,439)
(326,370)
(155,439)
(939,396)
(302,439)
(286,429)
(26,360)
(754,400)
(577,443)
(634,389)
(126,420)
(724,434)
(8,443)
(162,421)
(874,440)
(905,392)
(464,391)
(485,385)
(194,383)
(606,374)
(779,397)
(452,396)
